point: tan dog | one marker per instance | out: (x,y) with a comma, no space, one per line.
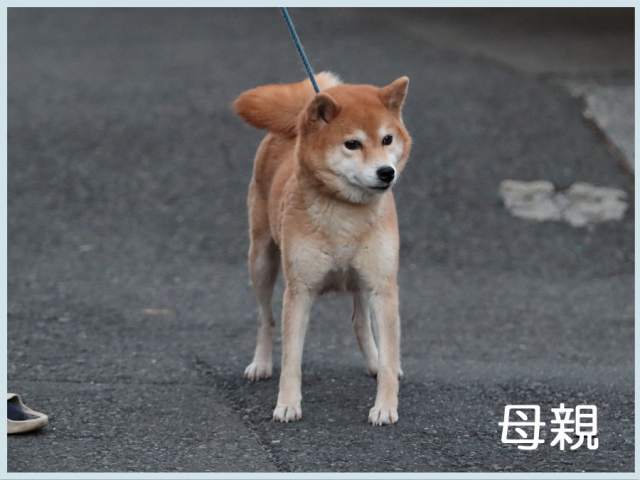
(320,203)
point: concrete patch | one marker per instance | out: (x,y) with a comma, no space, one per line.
(580,205)
(611,108)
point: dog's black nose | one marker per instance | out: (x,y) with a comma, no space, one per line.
(386,174)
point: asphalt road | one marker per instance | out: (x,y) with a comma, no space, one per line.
(130,315)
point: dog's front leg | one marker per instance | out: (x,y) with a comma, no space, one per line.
(384,303)
(295,318)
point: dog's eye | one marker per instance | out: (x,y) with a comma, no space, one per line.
(387,140)
(352,144)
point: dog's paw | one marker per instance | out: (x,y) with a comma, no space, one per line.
(383,415)
(287,413)
(257,371)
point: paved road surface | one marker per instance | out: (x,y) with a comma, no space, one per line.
(130,314)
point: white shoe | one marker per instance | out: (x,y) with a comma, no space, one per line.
(20,418)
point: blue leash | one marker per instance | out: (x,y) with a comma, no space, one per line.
(298,44)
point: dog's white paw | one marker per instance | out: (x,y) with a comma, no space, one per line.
(383,415)
(287,413)
(258,371)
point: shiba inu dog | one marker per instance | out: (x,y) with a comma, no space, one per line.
(320,203)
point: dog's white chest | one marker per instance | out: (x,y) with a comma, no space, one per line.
(343,255)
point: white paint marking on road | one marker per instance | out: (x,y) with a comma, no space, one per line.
(580,205)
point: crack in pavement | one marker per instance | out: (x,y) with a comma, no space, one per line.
(240,406)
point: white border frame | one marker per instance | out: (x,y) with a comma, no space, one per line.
(298,3)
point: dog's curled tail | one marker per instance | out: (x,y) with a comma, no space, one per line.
(276,107)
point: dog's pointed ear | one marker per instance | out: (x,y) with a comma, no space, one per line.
(393,95)
(323,108)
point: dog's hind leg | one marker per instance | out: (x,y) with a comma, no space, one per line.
(264,262)
(364,334)
(263,265)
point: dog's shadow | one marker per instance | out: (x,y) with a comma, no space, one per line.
(330,395)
